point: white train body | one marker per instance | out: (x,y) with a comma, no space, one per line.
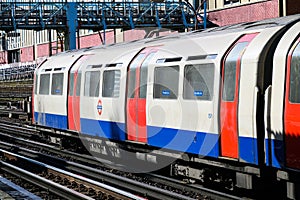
(217,94)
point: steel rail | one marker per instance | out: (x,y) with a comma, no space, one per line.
(128,184)
(55,187)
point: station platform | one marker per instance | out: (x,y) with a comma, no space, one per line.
(10,191)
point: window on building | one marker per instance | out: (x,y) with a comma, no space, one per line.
(294,96)
(44,84)
(228,2)
(198,81)
(91,85)
(57,84)
(111,83)
(166,82)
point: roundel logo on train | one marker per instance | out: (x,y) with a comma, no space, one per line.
(99,107)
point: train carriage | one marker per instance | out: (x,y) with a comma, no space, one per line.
(102,96)
(205,96)
(50,93)
(282,118)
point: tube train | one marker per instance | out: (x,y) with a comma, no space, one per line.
(225,98)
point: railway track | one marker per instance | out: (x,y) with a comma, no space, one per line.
(16,89)
(150,186)
(60,182)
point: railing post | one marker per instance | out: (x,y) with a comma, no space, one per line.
(72,24)
(205,15)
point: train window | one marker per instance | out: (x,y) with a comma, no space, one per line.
(36,83)
(57,84)
(91,85)
(131,83)
(78,82)
(44,84)
(111,83)
(144,76)
(166,82)
(294,96)
(198,81)
(228,93)
(71,87)
(132,75)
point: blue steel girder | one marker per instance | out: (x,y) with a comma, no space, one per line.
(32,15)
(96,15)
(68,17)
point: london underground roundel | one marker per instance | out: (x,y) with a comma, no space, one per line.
(99,107)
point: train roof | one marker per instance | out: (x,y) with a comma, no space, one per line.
(241,27)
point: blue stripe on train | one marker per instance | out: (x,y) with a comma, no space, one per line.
(248,150)
(274,153)
(200,143)
(186,141)
(51,120)
(106,129)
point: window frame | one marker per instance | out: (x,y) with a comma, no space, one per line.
(187,84)
(230,62)
(36,83)
(57,92)
(176,96)
(231,2)
(85,84)
(104,82)
(48,83)
(292,93)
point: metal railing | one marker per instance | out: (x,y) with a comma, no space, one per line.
(17,71)
(96,15)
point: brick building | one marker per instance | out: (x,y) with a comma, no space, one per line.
(29,45)
(225,12)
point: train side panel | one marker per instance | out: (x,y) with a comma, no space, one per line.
(51,98)
(276,135)
(183,95)
(282,136)
(103,89)
(252,64)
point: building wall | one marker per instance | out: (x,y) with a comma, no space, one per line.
(40,50)
(27,54)
(245,13)
(3,57)
(95,40)
(34,44)
(131,35)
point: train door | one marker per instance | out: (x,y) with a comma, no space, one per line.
(292,108)
(230,97)
(136,96)
(74,95)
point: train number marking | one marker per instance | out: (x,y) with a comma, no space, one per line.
(209,115)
